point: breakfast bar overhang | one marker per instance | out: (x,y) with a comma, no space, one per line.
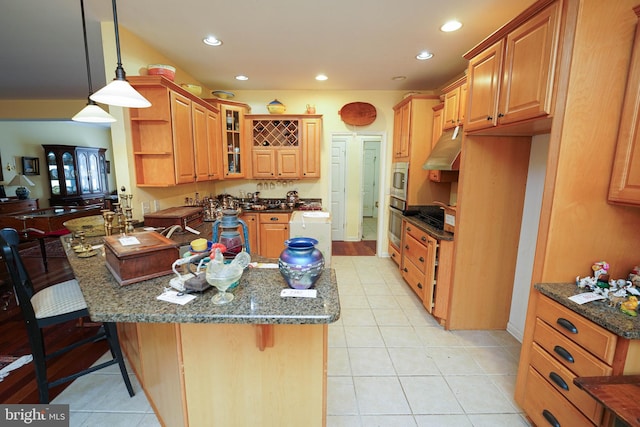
(259,360)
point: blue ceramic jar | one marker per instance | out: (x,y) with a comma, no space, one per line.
(301,263)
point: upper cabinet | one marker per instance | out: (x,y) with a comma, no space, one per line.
(284,146)
(625,177)
(234,158)
(512,79)
(455,103)
(401,131)
(175,141)
(76,175)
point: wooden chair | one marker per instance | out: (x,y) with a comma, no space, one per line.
(53,305)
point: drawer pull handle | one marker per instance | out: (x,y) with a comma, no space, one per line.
(406,247)
(564,354)
(424,239)
(419,285)
(567,325)
(421,259)
(559,381)
(408,228)
(550,418)
(405,270)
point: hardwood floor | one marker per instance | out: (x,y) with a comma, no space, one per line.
(361,248)
(20,386)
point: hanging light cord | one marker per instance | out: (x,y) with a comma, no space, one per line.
(86,50)
(120,74)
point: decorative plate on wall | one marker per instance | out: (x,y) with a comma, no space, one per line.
(358,113)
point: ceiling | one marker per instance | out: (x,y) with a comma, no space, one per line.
(278,44)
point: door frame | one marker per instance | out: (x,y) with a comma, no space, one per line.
(383,171)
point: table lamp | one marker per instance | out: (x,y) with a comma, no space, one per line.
(20,180)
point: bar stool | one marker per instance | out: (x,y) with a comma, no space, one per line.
(53,305)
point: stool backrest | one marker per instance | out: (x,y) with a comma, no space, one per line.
(9,240)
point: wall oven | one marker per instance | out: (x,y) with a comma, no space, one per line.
(396,209)
(399,180)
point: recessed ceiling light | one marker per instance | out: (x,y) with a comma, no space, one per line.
(424,55)
(398,78)
(212,41)
(449,26)
(241,77)
(321,77)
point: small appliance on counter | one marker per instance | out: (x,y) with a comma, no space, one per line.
(314,224)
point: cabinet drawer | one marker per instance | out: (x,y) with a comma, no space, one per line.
(416,233)
(414,277)
(281,218)
(416,252)
(569,354)
(561,379)
(395,254)
(544,405)
(594,338)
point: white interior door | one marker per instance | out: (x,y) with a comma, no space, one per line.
(338,188)
(369,187)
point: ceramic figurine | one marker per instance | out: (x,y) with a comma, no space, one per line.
(630,306)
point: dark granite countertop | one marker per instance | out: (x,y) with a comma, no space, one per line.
(257,298)
(599,312)
(434,232)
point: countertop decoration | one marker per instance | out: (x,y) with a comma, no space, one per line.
(618,292)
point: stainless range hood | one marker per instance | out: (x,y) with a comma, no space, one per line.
(446,154)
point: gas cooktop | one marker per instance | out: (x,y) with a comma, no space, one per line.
(429,214)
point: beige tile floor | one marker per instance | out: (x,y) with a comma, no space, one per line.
(390,364)
(369,228)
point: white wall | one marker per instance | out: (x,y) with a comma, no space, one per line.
(528,235)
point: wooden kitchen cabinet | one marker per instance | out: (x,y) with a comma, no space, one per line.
(455,102)
(233,141)
(208,151)
(252,221)
(311,143)
(418,262)
(625,175)
(401,131)
(166,136)
(565,346)
(513,79)
(274,230)
(77,176)
(285,147)
(438,123)
(413,133)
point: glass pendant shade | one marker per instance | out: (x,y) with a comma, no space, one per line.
(93,114)
(120,93)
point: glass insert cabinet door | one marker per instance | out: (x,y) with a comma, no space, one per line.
(77,175)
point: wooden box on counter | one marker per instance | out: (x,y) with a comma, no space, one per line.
(151,256)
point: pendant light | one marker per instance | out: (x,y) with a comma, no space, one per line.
(91,113)
(119,92)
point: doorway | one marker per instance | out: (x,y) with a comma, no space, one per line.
(356,168)
(370,187)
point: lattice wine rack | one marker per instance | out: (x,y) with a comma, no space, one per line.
(276,133)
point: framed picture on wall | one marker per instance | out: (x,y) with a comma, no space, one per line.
(30,166)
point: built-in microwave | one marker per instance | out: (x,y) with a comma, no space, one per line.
(399,180)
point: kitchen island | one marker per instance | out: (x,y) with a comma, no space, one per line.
(259,360)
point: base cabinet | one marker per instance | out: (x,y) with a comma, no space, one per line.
(274,230)
(215,374)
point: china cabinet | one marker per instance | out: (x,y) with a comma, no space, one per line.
(513,79)
(76,175)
